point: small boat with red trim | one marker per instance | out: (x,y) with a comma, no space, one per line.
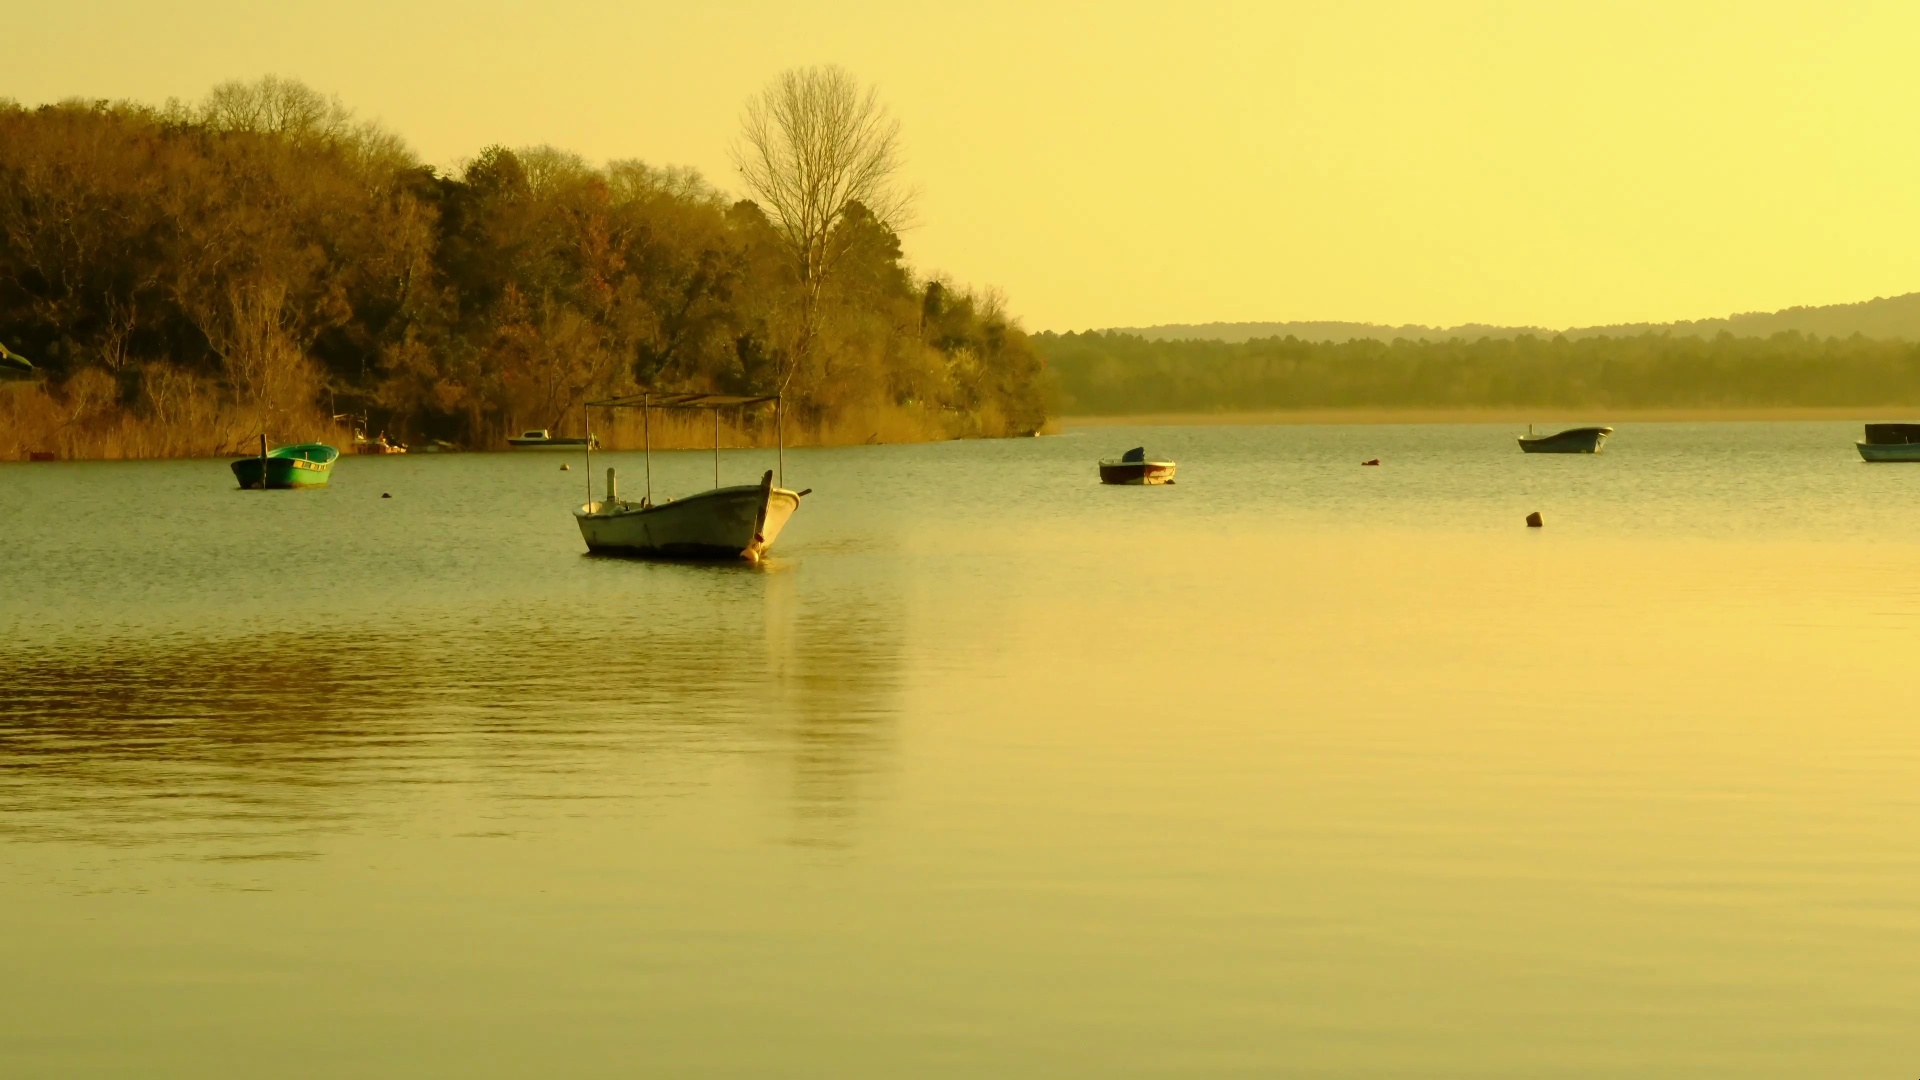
(1134,468)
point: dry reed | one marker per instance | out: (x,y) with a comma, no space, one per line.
(184,417)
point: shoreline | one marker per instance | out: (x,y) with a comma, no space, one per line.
(1862,414)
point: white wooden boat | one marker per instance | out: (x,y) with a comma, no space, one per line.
(736,522)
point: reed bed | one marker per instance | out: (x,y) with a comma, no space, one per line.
(186,417)
(85,422)
(693,429)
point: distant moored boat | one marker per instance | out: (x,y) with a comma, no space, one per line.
(1580,440)
(1134,468)
(542,439)
(1891,442)
(376,445)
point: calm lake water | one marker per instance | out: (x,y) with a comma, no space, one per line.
(1296,768)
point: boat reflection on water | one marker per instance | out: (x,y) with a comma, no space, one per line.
(235,748)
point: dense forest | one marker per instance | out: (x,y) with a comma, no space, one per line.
(1111,373)
(184,277)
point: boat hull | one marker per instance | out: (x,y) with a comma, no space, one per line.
(1889,451)
(1583,441)
(726,523)
(1136,472)
(285,470)
(550,444)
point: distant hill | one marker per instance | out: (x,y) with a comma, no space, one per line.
(1884,318)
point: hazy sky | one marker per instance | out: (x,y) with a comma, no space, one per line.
(1123,164)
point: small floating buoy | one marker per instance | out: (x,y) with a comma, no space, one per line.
(1533,520)
(564,467)
(1375,461)
(386,494)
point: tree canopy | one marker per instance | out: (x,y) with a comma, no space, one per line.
(263,255)
(1115,373)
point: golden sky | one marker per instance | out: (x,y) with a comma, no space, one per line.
(1126,164)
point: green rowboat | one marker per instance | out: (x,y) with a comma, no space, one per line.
(305,465)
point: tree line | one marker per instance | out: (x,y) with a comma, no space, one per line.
(1102,372)
(187,275)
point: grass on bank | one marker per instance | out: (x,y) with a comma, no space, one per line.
(85,421)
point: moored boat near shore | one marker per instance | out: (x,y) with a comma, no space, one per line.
(1890,442)
(542,439)
(1134,468)
(301,466)
(376,445)
(1580,440)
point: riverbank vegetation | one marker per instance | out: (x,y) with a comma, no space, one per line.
(1110,374)
(187,276)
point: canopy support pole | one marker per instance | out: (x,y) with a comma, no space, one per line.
(780,442)
(716,447)
(586,416)
(646,428)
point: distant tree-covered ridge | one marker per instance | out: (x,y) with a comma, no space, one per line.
(1109,373)
(188,275)
(1887,317)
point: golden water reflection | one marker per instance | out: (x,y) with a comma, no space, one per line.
(239,745)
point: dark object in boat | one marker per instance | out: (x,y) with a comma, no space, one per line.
(1892,434)
(386,494)
(1534,520)
(1580,440)
(1891,442)
(1375,461)
(1134,468)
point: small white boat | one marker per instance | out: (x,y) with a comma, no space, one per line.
(1891,442)
(542,439)
(736,522)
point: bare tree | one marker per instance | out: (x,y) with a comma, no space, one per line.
(277,106)
(812,145)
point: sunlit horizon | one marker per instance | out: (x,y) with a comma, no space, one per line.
(1389,163)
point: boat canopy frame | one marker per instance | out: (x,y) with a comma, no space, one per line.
(647,401)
